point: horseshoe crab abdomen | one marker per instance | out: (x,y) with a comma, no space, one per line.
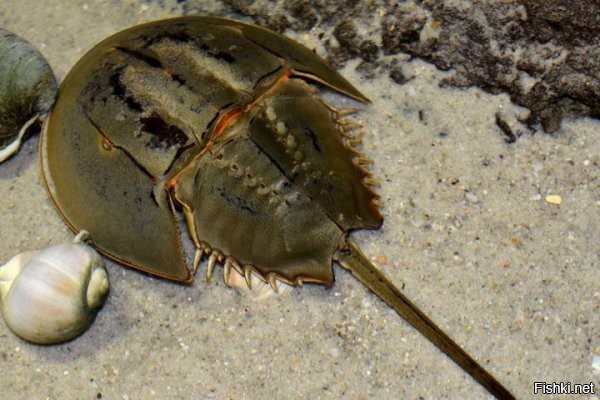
(304,140)
(237,202)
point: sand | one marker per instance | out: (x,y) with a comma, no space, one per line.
(470,235)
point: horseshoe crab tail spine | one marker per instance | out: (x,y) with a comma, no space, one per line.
(350,257)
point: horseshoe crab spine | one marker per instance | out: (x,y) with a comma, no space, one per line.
(352,259)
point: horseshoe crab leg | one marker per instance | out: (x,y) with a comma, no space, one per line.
(350,257)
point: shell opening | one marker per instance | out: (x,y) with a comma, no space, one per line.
(97,288)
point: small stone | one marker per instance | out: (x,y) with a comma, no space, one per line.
(334,352)
(383,260)
(596,362)
(554,199)
(471,197)
(516,241)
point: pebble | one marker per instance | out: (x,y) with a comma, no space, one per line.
(383,260)
(334,352)
(471,197)
(554,199)
(596,362)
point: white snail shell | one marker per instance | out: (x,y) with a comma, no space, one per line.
(52,295)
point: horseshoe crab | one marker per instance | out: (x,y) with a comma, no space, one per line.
(215,120)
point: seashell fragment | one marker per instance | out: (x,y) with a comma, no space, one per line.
(554,199)
(53,295)
(27,90)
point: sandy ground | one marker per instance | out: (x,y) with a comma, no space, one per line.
(468,235)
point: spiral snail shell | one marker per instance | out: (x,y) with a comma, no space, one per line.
(53,295)
(27,90)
